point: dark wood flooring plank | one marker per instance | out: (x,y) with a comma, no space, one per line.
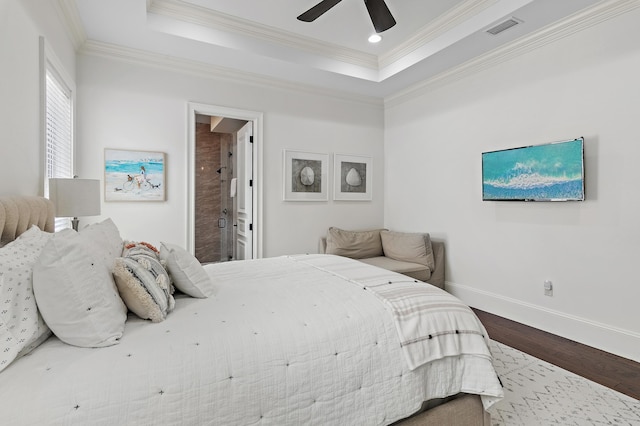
(612,371)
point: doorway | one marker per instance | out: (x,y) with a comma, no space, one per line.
(216,207)
(224,218)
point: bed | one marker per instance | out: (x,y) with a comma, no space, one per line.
(330,342)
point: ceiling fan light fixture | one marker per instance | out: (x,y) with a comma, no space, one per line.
(380,15)
(375,38)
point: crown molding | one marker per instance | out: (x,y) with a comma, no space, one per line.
(69,12)
(212,72)
(575,23)
(186,12)
(435,28)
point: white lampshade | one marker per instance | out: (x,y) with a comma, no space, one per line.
(75,197)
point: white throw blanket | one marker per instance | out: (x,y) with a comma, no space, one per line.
(431,323)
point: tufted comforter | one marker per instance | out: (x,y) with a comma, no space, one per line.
(285,341)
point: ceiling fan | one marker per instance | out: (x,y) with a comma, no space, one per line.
(378,11)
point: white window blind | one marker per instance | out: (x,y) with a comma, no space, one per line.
(59,159)
(58,124)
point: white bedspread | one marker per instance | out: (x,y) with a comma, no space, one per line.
(308,347)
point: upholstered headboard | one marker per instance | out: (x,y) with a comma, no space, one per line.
(18,213)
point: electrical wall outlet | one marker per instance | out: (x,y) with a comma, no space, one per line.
(548,288)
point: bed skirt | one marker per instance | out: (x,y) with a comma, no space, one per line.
(464,410)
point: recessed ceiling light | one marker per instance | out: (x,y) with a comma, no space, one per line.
(375,38)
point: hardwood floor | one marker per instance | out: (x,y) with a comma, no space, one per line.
(612,371)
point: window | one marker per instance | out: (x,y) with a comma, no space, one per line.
(57,121)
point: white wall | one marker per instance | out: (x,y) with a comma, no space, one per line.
(127,105)
(21,25)
(499,254)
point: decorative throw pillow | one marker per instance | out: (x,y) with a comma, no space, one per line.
(21,325)
(76,293)
(144,286)
(408,247)
(134,248)
(108,242)
(354,244)
(186,271)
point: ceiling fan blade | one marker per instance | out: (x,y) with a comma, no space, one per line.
(318,10)
(380,15)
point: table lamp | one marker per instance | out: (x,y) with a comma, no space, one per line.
(75,197)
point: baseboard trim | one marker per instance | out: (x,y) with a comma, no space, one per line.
(621,342)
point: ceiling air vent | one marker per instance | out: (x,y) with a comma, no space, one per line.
(503,26)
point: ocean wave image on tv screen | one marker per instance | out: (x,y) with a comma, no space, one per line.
(542,172)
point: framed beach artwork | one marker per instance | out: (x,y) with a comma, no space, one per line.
(134,175)
(353,177)
(305,176)
(548,172)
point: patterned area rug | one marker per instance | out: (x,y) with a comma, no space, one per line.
(538,394)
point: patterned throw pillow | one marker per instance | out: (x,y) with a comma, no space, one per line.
(143,283)
(21,325)
(134,248)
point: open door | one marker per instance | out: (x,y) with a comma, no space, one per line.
(243,214)
(245,167)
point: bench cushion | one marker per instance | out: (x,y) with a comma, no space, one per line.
(411,269)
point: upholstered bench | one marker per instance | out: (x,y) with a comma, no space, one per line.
(411,254)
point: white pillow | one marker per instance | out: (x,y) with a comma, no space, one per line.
(108,242)
(76,293)
(21,326)
(188,274)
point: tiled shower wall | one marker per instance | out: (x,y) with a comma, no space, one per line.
(213,243)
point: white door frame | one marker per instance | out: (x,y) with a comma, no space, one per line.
(257,119)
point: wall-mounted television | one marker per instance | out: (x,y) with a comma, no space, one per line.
(547,172)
